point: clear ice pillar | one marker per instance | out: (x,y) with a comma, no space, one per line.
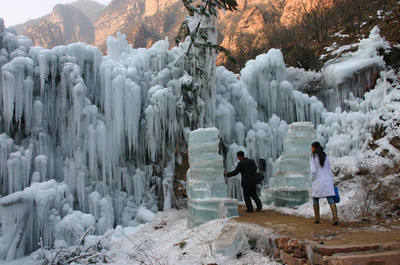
(290,183)
(206,187)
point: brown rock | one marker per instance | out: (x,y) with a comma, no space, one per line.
(317,259)
(392,246)
(66,24)
(280,241)
(295,243)
(330,250)
(143,21)
(299,253)
(294,8)
(290,259)
(283,244)
(387,258)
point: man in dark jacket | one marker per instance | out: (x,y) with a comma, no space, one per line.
(248,168)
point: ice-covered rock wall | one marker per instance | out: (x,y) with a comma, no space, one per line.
(348,76)
(354,74)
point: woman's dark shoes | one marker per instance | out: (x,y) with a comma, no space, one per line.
(259,208)
(249,211)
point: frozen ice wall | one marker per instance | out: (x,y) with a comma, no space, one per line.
(348,133)
(253,113)
(27,215)
(206,188)
(110,128)
(106,127)
(291,181)
(347,76)
(267,83)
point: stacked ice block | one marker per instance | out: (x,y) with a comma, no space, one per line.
(290,182)
(206,187)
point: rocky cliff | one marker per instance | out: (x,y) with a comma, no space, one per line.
(65,24)
(254,28)
(143,21)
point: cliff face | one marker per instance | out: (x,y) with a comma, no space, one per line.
(146,21)
(295,8)
(143,21)
(238,30)
(66,24)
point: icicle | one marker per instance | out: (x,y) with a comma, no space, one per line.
(93,200)
(8,81)
(6,148)
(41,166)
(106,221)
(139,183)
(167,183)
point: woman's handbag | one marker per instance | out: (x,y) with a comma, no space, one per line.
(337,197)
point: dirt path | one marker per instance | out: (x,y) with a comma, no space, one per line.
(303,228)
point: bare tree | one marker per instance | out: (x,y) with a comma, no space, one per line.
(353,13)
(316,17)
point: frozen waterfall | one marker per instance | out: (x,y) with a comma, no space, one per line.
(91,141)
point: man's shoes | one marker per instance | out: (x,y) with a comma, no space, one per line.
(249,211)
(259,208)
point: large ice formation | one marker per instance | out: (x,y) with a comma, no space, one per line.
(349,76)
(100,136)
(206,187)
(291,181)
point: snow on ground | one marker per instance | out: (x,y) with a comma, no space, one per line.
(167,240)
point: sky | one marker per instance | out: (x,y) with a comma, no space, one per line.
(19,11)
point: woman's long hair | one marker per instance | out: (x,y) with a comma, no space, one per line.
(320,152)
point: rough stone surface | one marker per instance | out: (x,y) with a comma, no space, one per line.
(330,250)
(317,259)
(282,241)
(391,246)
(299,253)
(386,258)
(294,243)
(289,259)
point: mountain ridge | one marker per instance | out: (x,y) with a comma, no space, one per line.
(302,29)
(65,24)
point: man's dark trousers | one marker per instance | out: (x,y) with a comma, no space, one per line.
(250,192)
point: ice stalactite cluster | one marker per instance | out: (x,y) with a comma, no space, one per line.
(345,133)
(253,112)
(27,215)
(354,73)
(267,83)
(105,127)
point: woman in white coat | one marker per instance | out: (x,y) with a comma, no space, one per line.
(322,181)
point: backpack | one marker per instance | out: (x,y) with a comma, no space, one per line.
(259,178)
